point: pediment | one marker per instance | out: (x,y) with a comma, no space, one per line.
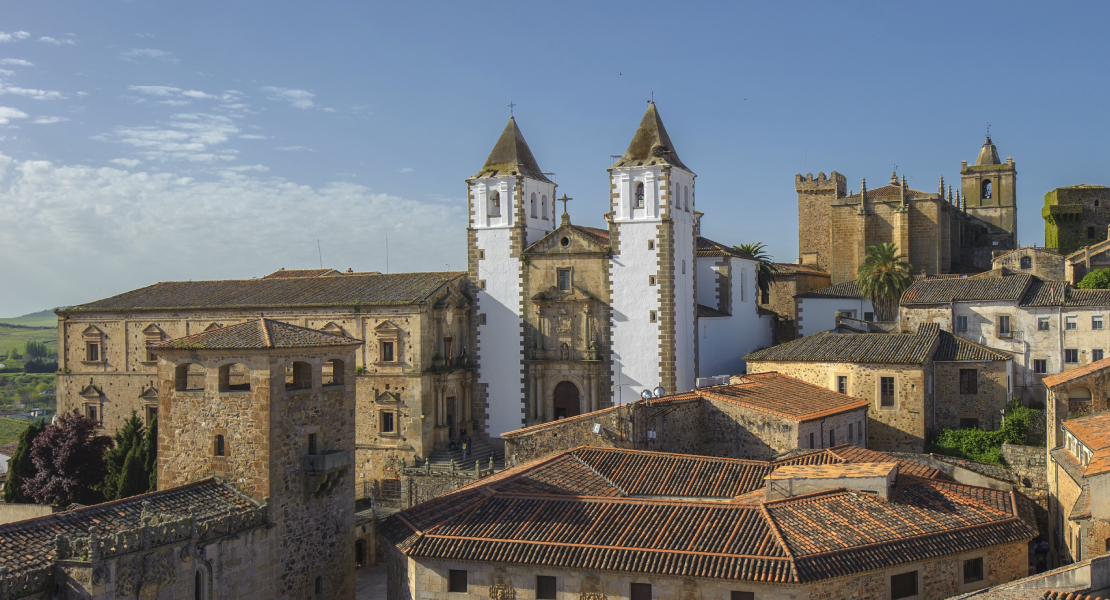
(578,240)
(91,391)
(153,330)
(388,397)
(454,298)
(213,327)
(575,294)
(149,395)
(333,329)
(92,332)
(387,327)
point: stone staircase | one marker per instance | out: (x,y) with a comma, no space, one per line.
(482,451)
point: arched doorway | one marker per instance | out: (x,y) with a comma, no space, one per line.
(566,400)
(360,553)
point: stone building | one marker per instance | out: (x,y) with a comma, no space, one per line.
(916,383)
(613,523)
(255,492)
(791,280)
(1079,486)
(1076,216)
(1080,392)
(1048,326)
(1045,263)
(571,319)
(1086,259)
(413,374)
(935,232)
(754,416)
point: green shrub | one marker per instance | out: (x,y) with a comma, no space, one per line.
(984,446)
(1099,279)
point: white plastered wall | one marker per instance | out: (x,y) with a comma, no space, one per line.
(819,314)
(726,340)
(538,226)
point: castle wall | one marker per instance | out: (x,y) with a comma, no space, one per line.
(814,215)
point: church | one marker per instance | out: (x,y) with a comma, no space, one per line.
(570,319)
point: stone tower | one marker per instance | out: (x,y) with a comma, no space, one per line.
(815,198)
(652,272)
(269,408)
(990,190)
(511,205)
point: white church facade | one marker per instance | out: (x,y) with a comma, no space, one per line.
(571,319)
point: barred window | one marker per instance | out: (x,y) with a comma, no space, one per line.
(886,391)
(903,585)
(1040,366)
(969,381)
(973,570)
(456,581)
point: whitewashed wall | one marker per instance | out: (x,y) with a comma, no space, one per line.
(819,314)
(725,340)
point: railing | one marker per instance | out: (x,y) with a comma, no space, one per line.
(452,468)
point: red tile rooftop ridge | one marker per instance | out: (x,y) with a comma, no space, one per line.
(1059,378)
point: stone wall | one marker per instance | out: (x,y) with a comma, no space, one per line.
(1043,262)
(1028,467)
(986,405)
(10,513)
(1069,212)
(815,195)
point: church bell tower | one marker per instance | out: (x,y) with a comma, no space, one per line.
(990,189)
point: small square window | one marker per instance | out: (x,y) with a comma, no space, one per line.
(742,595)
(651,279)
(481,254)
(456,581)
(1096,354)
(1040,366)
(482,284)
(1096,322)
(545,587)
(1071,322)
(969,381)
(640,591)
(903,585)
(651,244)
(1071,355)
(1042,324)
(482,319)
(961,323)
(973,570)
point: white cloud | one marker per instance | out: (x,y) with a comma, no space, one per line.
(144,35)
(82,93)
(193,137)
(6,73)
(57,42)
(296,98)
(197,94)
(30,93)
(134,54)
(406,170)
(148,227)
(125,162)
(253,136)
(48,120)
(15,36)
(18,62)
(292,148)
(154,90)
(7,114)
(175,102)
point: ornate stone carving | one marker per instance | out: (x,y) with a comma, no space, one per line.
(501,588)
(101,575)
(563,324)
(591,589)
(127,575)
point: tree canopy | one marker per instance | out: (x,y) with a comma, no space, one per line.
(69,461)
(882,278)
(765,271)
(1098,279)
(130,463)
(20,465)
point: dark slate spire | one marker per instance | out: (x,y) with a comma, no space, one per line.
(650,143)
(988,154)
(511,156)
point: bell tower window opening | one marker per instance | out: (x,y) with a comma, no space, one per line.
(495,204)
(543,207)
(639,199)
(686,199)
(986,189)
(533,204)
(564,280)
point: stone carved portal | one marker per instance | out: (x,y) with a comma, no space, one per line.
(566,400)
(591,589)
(500,587)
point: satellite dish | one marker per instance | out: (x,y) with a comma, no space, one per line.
(660,392)
(645,395)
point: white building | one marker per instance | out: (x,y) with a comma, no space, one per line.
(818,309)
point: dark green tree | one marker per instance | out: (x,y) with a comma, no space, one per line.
(765,271)
(883,276)
(1099,279)
(150,449)
(134,479)
(130,436)
(20,466)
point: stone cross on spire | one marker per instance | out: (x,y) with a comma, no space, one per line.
(566,217)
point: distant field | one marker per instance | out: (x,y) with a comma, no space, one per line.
(10,429)
(14,337)
(44,321)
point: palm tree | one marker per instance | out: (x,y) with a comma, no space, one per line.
(882,278)
(765,271)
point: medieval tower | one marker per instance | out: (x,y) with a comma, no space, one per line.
(815,198)
(511,205)
(653,225)
(990,190)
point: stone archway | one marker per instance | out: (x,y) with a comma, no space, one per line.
(567,400)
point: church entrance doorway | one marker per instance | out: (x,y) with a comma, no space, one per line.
(452,433)
(566,400)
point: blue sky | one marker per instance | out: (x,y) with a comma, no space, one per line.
(150,141)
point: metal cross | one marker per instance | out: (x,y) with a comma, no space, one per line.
(652,97)
(564,200)
(511,105)
(988,129)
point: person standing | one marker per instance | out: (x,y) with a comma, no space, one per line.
(465,444)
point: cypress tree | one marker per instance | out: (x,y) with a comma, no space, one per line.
(20,466)
(126,438)
(150,449)
(134,479)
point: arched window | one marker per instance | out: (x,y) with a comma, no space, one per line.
(235,378)
(686,199)
(985,189)
(219,447)
(332,373)
(1026,262)
(198,586)
(639,199)
(189,377)
(533,203)
(543,206)
(319,584)
(684,267)
(298,376)
(1090,233)
(495,204)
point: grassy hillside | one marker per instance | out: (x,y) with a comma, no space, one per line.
(50,320)
(17,337)
(11,428)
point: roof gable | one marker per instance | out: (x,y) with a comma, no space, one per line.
(650,145)
(579,239)
(512,156)
(888,348)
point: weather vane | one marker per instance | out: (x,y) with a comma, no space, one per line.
(988,130)
(511,105)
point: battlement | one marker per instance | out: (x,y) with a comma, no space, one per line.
(833,182)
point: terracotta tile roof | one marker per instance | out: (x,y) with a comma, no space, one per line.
(956,348)
(1067,376)
(350,290)
(784,396)
(659,521)
(1081,510)
(1044,293)
(707,247)
(1082,595)
(1078,297)
(847,289)
(258,334)
(285,274)
(833,471)
(826,346)
(599,235)
(1094,432)
(933,291)
(851,453)
(29,544)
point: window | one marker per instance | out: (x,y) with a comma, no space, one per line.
(651,244)
(832,437)
(456,581)
(684,266)
(1090,233)
(543,207)
(1004,326)
(961,323)
(1096,322)
(1096,354)
(532,202)
(334,374)
(319,587)
(886,391)
(312,444)
(868,316)
(651,279)
(1026,262)
(482,319)
(495,204)
(1040,366)
(220,448)
(481,255)
(92,351)
(234,378)
(985,189)
(151,414)
(448,350)
(686,201)
(903,585)
(564,280)
(545,587)
(298,376)
(842,384)
(388,424)
(387,351)
(198,586)
(1071,355)
(969,423)
(973,570)
(811,440)
(850,438)
(969,381)
(742,595)
(92,413)
(640,591)
(652,317)
(152,335)
(1042,324)
(1071,322)
(639,199)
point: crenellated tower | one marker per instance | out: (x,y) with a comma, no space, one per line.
(815,198)
(652,271)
